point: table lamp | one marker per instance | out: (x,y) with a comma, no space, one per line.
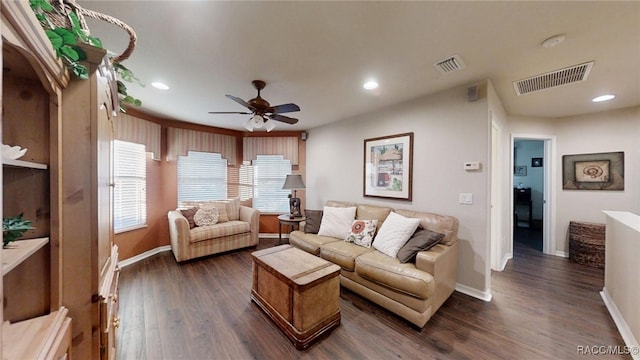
(294,182)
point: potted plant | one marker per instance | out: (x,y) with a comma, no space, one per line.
(13,228)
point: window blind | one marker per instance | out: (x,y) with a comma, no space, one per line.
(201,176)
(269,174)
(130,193)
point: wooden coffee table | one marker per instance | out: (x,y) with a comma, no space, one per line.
(300,292)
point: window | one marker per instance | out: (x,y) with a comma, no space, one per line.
(130,193)
(269,173)
(201,176)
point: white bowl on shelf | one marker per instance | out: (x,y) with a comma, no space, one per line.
(12,152)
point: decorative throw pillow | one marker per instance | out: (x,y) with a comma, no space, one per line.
(189,213)
(362,232)
(206,216)
(394,232)
(422,239)
(336,221)
(312,221)
(222,209)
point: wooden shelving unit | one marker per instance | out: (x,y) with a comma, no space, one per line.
(49,337)
(24,164)
(18,251)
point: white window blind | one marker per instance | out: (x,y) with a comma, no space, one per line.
(201,176)
(269,174)
(130,193)
(246,181)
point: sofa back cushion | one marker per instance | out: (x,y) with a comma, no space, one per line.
(444,224)
(229,209)
(372,212)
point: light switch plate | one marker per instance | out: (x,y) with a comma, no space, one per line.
(465,198)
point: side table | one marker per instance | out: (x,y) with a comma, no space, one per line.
(284,219)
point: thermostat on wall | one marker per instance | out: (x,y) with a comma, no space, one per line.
(472,165)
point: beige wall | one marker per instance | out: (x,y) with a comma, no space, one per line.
(448,130)
(615,130)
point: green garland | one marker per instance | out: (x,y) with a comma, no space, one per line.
(64,42)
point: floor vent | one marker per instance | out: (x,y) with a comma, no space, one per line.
(450,64)
(553,79)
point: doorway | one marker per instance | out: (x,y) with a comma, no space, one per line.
(528,193)
(533,197)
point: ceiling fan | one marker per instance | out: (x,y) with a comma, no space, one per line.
(262,111)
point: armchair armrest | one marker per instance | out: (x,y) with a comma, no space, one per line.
(179,234)
(252,216)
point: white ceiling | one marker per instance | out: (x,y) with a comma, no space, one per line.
(317,54)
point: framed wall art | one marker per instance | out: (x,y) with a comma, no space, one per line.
(601,171)
(388,166)
(520,171)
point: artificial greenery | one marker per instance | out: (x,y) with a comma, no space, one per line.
(64,42)
(13,228)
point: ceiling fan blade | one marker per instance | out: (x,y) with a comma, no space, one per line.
(284,108)
(284,119)
(229,112)
(241,102)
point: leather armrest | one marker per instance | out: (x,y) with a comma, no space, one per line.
(441,261)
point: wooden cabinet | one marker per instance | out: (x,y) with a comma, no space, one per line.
(522,207)
(60,286)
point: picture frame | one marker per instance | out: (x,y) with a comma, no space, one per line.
(598,171)
(388,167)
(536,162)
(520,170)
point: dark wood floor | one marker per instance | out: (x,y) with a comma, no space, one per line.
(543,307)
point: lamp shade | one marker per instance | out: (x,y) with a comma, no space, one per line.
(293,182)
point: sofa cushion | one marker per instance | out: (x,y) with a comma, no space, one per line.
(388,271)
(336,221)
(372,212)
(362,232)
(206,216)
(218,230)
(312,218)
(342,253)
(189,214)
(422,239)
(233,208)
(443,224)
(310,242)
(394,233)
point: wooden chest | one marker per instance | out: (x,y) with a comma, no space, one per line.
(298,291)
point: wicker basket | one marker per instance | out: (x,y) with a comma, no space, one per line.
(60,18)
(586,243)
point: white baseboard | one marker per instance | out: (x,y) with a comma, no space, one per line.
(621,323)
(144,255)
(272,236)
(505,260)
(482,295)
(562,254)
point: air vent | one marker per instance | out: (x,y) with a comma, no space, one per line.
(553,79)
(450,64)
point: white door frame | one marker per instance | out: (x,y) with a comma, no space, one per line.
(549,196)
(496,234)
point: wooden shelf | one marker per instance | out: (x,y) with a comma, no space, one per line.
(24,164)
(44,337)
(18,251)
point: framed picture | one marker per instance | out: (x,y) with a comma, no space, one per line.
(520,171)
(601,171)
(388,166)
(536,162)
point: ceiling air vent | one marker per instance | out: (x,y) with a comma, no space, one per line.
(553,79)
(450,64)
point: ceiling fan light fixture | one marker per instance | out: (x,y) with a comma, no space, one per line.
(269,125)
(257,121)
(249,124)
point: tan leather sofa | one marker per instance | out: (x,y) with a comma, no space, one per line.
(241,230)
(413,291)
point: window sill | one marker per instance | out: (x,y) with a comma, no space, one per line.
(132,228)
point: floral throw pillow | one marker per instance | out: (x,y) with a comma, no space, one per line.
(206,216)
(362,232)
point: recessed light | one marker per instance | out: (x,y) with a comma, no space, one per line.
(603,98)
(159,85)
(554,40)
(370,85)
